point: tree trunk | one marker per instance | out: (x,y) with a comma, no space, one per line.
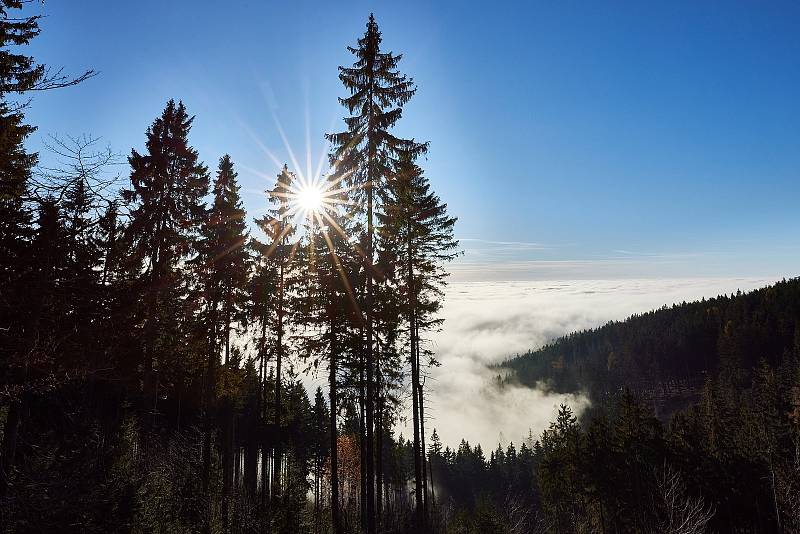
(227,463)
(250,468)
(262,420)
(424,461)
(378,458)
(370,401)
(334,431)
(208,394)
(316,494)
(434,527)
(362,445)
(276,473)
(418,508)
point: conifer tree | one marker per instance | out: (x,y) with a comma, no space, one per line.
(389,373)
(320,453)
(278,227)
(118,295)
(417,234)
(227,257)
(168,183)
(363,154)
(261,313)
(81,283)
(223,261)
(19,74)
(16,72)
(329,310)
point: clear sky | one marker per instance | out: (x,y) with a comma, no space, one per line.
(572,139)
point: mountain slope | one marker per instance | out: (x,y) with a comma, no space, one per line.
(667,354)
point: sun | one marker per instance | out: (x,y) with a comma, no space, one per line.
(310,198)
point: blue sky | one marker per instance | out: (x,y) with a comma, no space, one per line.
(583,140)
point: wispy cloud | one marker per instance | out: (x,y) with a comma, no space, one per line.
(660,255)
(486,259)
(492,251)
(516,245)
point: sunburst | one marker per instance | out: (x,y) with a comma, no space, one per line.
(313,203)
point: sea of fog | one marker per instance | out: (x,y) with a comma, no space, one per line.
(488,322)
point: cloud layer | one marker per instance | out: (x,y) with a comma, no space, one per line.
(487,322)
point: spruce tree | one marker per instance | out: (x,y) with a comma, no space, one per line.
(329,310)
(227,257)
(417,239)
(81,285)
(363,154)
(168,183)
(261,313)
(320,453)
(223,262)
(18,73)
(277,225)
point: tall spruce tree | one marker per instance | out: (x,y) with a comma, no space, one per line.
(224,264)
(277,225)
(168,183)
(417,239)
(390,369)
(228,256)
(18,73)
(363,154)
(261,313)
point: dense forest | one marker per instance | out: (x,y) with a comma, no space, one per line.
(667,355)
(154,338)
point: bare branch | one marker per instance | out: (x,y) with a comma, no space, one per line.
(57,79)
(78,159)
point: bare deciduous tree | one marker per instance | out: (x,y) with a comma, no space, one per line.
(78,158)
(678,512)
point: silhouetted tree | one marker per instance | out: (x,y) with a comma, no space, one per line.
(417,238)
(223,261)
(168,184)
(363,155)
(278,227)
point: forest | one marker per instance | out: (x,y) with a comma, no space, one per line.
(154,340)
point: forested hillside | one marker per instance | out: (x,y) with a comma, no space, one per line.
(666,355)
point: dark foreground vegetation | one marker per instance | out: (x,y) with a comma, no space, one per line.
(698,402)
(151,353)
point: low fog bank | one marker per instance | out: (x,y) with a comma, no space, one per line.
(489,322)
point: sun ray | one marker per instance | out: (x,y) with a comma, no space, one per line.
(343,276)
(308,134)
(261,145)
(344,235)
(238,243)
(255,172)
(286,143)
